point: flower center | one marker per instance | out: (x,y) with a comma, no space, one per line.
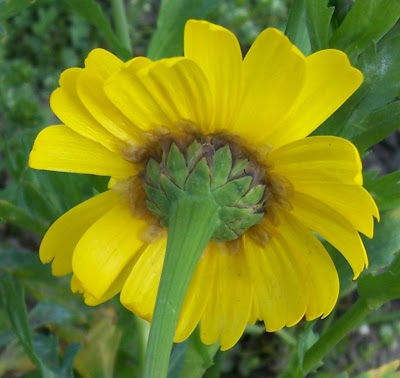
(206,167)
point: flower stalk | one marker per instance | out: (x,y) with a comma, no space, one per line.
(192,222)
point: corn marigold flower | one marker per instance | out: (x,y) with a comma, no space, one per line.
(236,128)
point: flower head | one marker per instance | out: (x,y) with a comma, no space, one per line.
(161,128)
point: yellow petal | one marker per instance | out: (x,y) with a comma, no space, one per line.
(333,227)
(318,159)
(255,310)
(61,238)
(309,254)
(58,148)
(330,81)
(353,202)
(106,249)
(162,94)
(200,289)
(100,65)
(69,109)
(274,73)
(114,289)
(217,52)
(140,290)
(279,282)
(229,306)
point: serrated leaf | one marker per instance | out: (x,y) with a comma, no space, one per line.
(385,190)
(198,357)
(381,85)
(167,40)
(296,28)
(92,13)
(367,21)
(318,18)
(386,241)
(376,126)
(383,287)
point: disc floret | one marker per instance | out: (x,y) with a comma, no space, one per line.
(212,169)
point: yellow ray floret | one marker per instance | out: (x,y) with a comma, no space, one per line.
(118,116)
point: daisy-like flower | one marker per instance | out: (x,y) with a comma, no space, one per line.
(230,127)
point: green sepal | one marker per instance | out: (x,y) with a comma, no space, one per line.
(238,168)
(207,171)
(224,233)
(193,153)
(176,165)
(155,209)
(229,214)
(253,197)
(153,172)
(222,165)
(172,191)
(158,197)
(199,180)
(231,192)
(246,222)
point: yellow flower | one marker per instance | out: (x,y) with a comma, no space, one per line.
(116,115)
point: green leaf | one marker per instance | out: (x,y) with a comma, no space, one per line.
(318,18)
(177,359)
(98,356)
(381,288)
(198,357)
(167,40)
(92,13)
(20,218)
(10,8)
(381,85)
(385,190)
(376,126)
(296,28)
(294,369)
(13,299)
(386,240)
(367,21)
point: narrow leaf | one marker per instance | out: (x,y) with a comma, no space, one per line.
(376,126)
(296,28)
(167,40)
(385,190)
(318,18)
(93,14)
(367,21)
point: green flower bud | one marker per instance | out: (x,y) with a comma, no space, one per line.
(213,169)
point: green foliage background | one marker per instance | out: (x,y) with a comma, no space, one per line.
(47,331)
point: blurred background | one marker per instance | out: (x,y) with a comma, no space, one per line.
(36,45)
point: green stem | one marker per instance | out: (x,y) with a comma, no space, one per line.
(192,223)
(336,333)
(120,23)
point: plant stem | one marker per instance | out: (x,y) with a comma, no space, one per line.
(336,333)
(192,222)
(120,23)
